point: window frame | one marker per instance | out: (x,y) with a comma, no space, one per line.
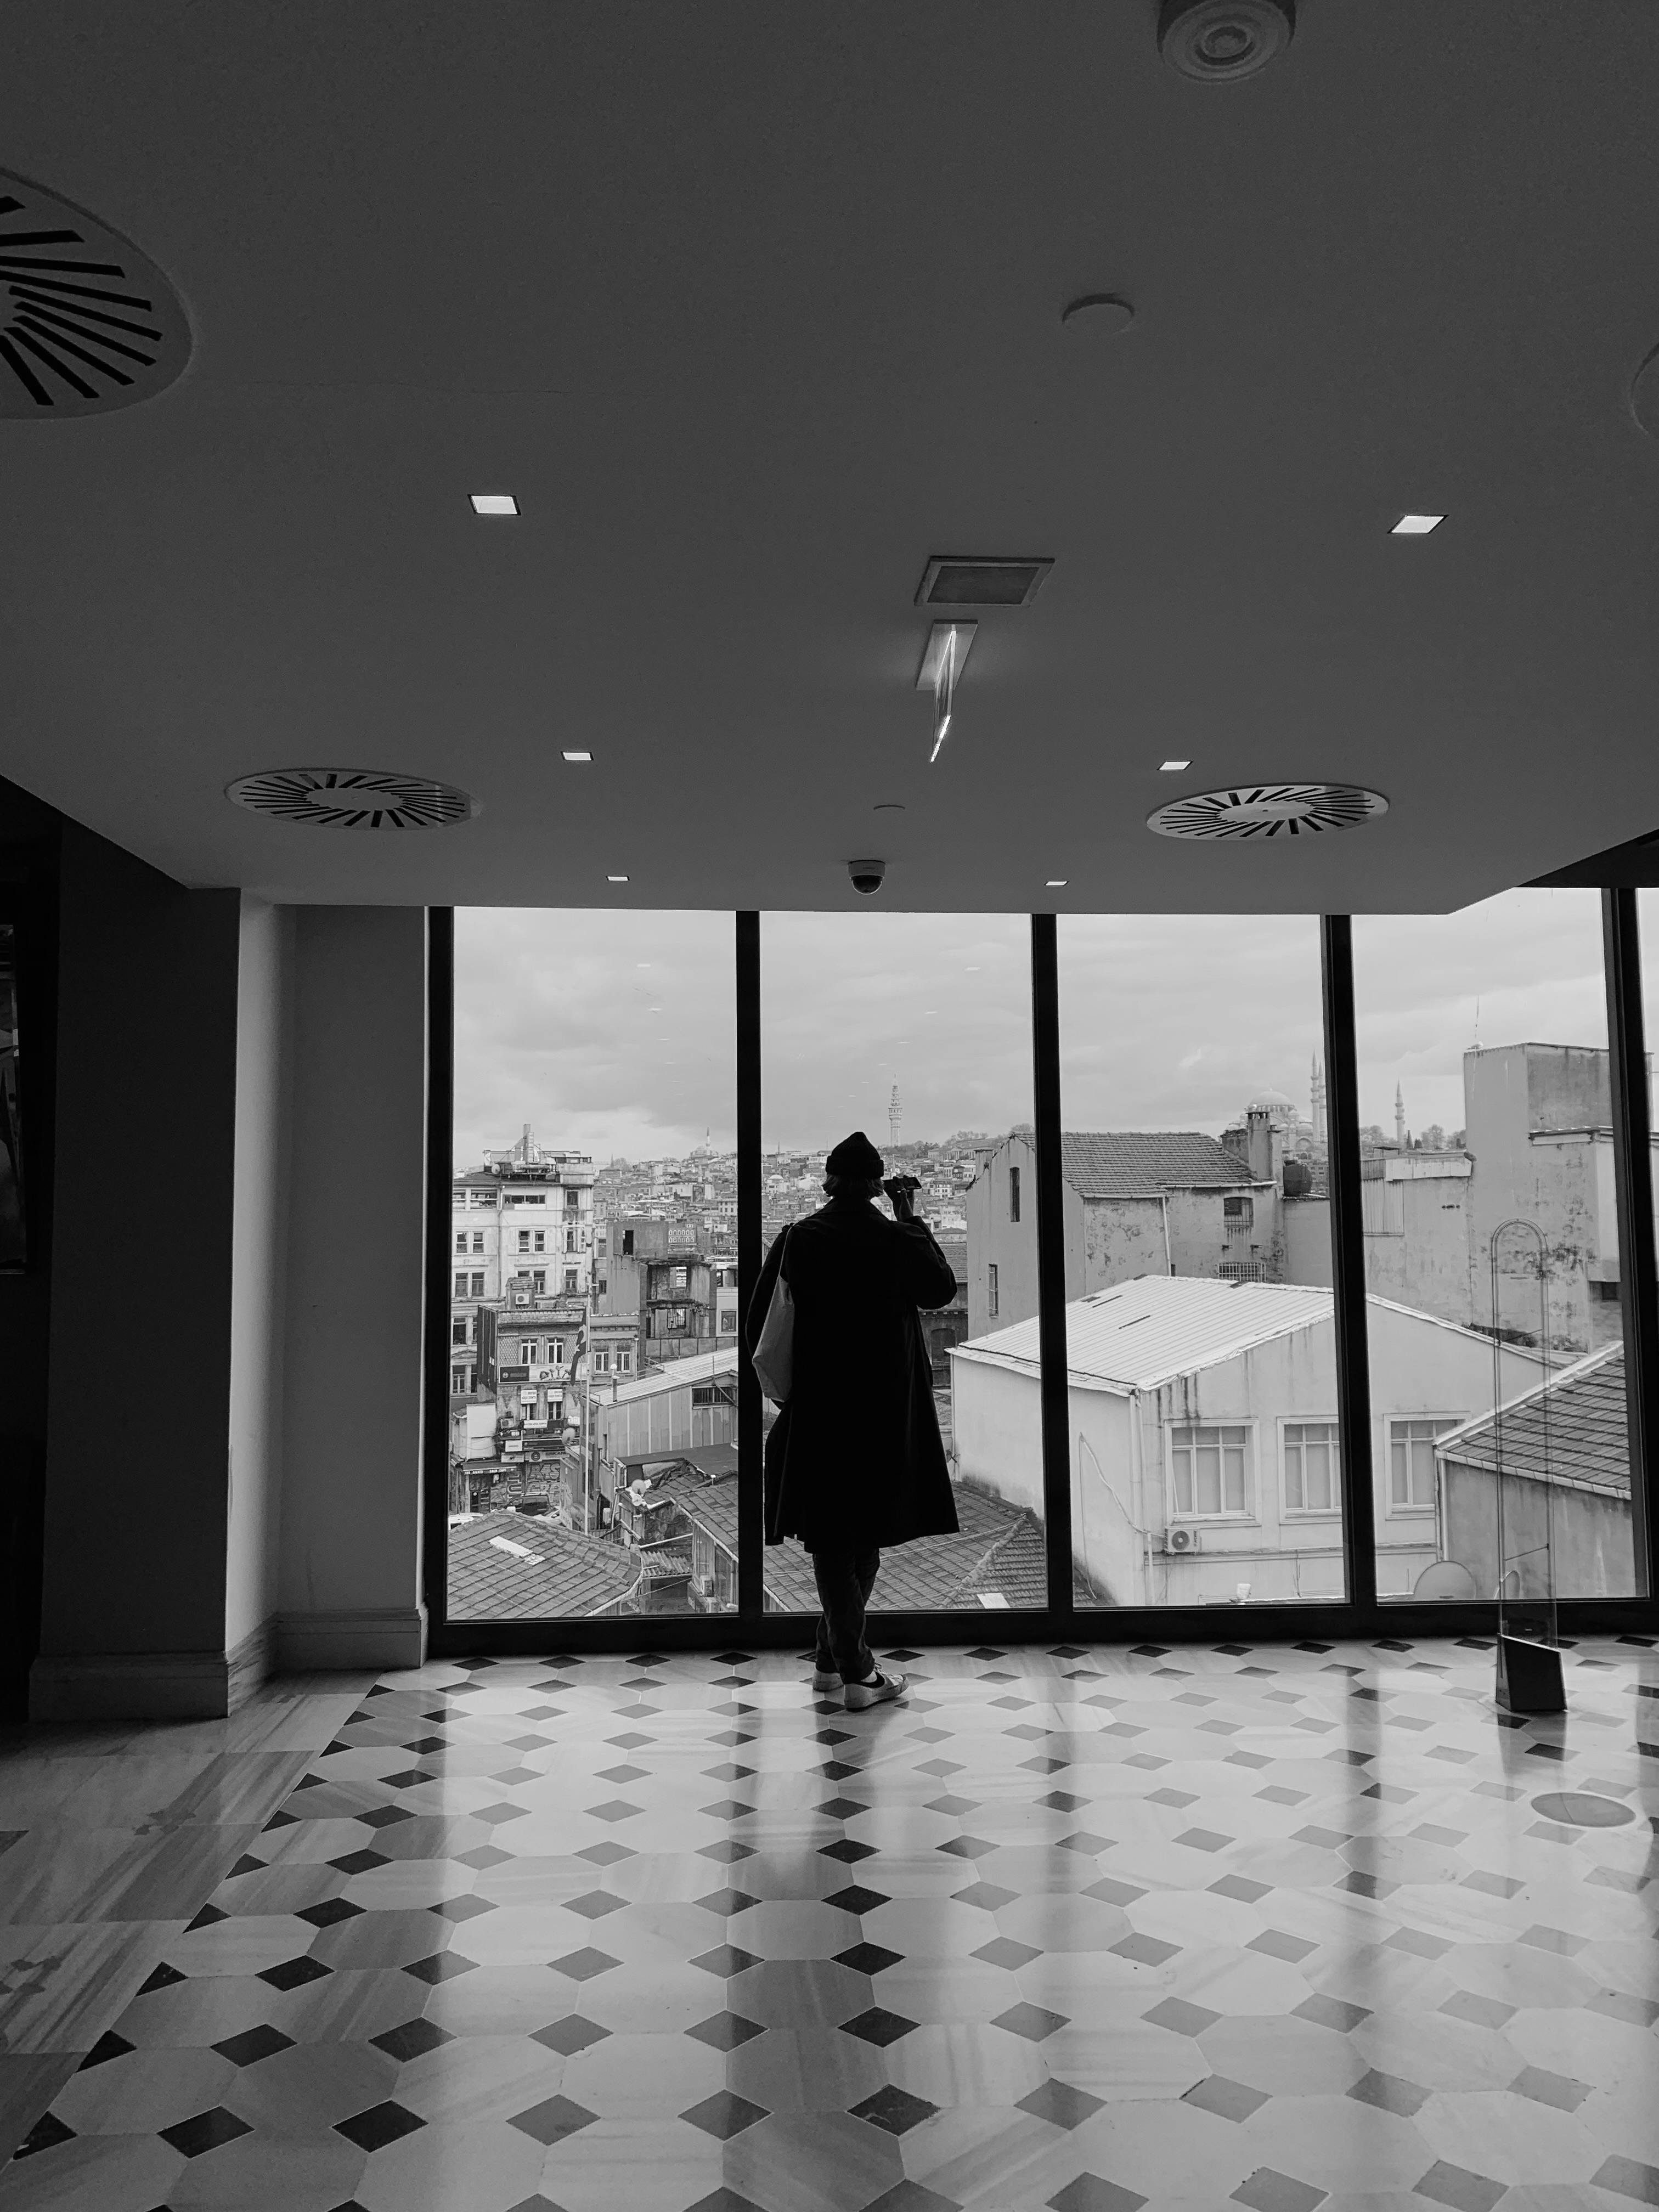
(1412,1509)
(1299,1513)
(1247,1515)
(1360,1614)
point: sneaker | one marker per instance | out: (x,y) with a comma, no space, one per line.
(862,1695)
(824,1679)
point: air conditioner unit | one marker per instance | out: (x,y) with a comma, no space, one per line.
(1181,1539)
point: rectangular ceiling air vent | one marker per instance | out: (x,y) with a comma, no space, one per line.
(953,580)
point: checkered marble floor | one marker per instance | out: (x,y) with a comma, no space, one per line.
(1088,1929)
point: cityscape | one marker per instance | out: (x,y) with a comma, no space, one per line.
(594,1328)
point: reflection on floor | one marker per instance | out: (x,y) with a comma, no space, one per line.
(1086,1930)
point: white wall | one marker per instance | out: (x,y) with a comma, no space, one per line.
(349,1571)
(1419,1366)
(258,1256)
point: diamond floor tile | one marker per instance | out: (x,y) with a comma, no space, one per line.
(1086,1930)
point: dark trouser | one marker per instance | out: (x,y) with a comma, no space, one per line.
(845,1580)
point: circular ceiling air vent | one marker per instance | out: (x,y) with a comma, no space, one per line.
(87,324)
(1219,41)
(1267,809)
(352,798)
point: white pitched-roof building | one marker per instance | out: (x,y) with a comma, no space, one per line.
(1205,1451)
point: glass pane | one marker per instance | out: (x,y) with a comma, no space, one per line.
(594,1321)
(1203,1413)
(917,1030)
(1492,1252)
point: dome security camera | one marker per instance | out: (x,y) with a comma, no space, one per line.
(867,875)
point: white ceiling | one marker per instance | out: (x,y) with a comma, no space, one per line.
(756,308)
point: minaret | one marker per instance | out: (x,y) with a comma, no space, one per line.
(1398,1117)
(1316,1101)
(894,1118)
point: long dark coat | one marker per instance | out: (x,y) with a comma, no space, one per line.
(856,1458)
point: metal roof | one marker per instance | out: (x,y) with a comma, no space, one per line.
(677,1375)
(1145,1332)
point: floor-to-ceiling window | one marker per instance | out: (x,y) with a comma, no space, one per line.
(1205,1447)
(592,1265)
(917,1030)
(1492,1261)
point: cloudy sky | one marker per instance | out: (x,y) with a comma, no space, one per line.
(613,1032)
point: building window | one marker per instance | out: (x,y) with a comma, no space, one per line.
(624,1359)
(603,1286)
(458,1382)
(478,1285)
(628,1244)
(1243,1271)
(573,1199)
(1313,1467)
(601,1361)
(679,1278)
(541,1240)
(1013,1193)
(991,1279)
(570,1279)
(1211,1466)
(460,1241)
(1238,1216)
(569,1240)
(524,1240)
(531,1353)
(478,1240)
(460,1285)
(1604,1294)
(1411,1461)
(538,1279)
(457,1330)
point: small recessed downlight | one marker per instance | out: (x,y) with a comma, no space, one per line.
(1171,768)
(1416,526)
(578,755)
(493,502)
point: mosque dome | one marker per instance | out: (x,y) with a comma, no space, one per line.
(1271,1102)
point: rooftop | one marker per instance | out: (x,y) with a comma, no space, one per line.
(677,1375)
(1129,1163)
(1572,1431)
(513,1567)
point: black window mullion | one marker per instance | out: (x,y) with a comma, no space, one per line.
(1633,1171)
(1353,1386)
(1051,1266)
(439,1187)
(751,1496)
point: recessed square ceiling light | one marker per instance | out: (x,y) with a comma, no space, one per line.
(1168,767)
(616,879)
(578,755)
(493,502)
(1416,526)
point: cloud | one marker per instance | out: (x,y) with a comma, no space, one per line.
(615,1032)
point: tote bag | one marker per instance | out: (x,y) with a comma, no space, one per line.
(773,1360)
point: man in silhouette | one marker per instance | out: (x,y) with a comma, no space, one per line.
(855,1460)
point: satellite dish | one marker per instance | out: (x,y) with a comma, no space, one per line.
(1445,1580)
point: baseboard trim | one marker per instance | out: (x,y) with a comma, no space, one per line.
(130,1685)
(367,1636)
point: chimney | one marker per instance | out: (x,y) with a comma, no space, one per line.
(1260,1136)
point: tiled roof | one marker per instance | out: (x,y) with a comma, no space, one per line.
(565,1575)
(1122,1162)
(1571,1431)
(999,1550)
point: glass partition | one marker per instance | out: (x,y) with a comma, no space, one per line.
(1206,1450)
(593,1315)
(917,1030)
(1491,1254)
